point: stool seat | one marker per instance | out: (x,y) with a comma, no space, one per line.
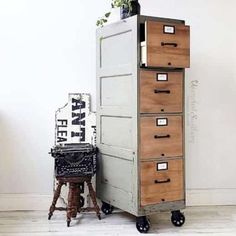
(74,204)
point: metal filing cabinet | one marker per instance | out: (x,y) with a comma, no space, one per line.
(140,116)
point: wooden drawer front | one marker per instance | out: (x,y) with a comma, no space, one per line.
(161,181)
(161,136)
(161,91)
(167,49)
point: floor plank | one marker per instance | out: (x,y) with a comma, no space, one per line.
(217,220)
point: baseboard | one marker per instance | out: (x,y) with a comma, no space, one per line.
(24,202)
(208,197)
(195,197)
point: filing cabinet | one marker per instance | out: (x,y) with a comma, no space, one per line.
(140,116)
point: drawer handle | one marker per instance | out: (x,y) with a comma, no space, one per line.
(169,44)
(161,91)
(162,136)
(162,181)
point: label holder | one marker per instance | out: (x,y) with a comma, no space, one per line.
(168,29)
(161,121)
(162,166)
(162,77)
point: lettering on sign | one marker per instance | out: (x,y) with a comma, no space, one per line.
(75,123)
(62,130)
(78,118)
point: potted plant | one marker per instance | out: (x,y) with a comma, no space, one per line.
(127,8)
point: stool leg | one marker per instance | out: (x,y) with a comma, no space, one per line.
(78,199)
(55,198)
(72,203)
(75,200)
(93,196)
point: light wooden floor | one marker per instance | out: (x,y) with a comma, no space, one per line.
(199,220)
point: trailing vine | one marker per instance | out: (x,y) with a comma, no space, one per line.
(114,3)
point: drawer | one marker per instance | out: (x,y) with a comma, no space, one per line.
(161,181)
(166,45)
(161,136)
(161,91)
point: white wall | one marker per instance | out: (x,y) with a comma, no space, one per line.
(47,49)
(211,96)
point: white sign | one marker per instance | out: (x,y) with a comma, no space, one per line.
(75,123)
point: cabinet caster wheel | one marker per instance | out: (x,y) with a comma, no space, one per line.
(107,209)
(177,218)
(142,224)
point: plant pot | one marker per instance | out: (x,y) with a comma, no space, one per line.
(126,12)
(115,15)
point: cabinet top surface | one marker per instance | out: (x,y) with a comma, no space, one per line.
(142,19)
(154,18)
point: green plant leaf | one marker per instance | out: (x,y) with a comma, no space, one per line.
(107,14)
(114,3)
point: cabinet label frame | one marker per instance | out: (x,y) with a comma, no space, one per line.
(162,122)
(168,29)
(162,166)
(162,77)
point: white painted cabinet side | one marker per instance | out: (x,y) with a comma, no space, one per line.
(117,136)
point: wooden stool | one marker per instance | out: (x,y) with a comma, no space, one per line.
(74,204)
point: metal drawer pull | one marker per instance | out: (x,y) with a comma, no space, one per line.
(161,91)
(162,136)
(169,44)
(162,181)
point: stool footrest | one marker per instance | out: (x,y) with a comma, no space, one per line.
(87,209)
(60,208)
